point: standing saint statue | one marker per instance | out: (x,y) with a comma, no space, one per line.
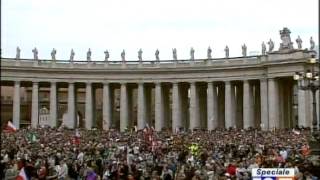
(72,55)
(18,53)
(123,55)
(35,53)
(192,53)
(174,54)
(106,55)
(140,54)
(244,50)
(312,44)
(263,48)
(157,55)
(299,42)
(271,45)
(226,50)
(89,55)
(53,54)
(209,51)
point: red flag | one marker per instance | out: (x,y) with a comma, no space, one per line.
(76,138)
(10,128)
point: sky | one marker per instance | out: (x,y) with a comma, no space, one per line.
(150,24)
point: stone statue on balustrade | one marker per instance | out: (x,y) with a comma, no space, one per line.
(106,55)
(271,45)
(286,39)
(192,53)
(226,50)
(299,42)
(89,55)
(244,50)
(263,48)
(174,54)
(123,55)
(72,55)
(157,55)
(312,44)
(18,53)
(53,54)
(209,51)
(140,54)
(35,53)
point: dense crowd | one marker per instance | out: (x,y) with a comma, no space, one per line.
(93,154)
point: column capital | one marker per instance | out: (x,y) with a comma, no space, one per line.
(141,83)
(53,82)
(158,83)
(123,83)
(88,82)
(106,83)
(17,82)
(35,82)
(227,82)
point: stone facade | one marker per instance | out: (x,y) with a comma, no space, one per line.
(249,91)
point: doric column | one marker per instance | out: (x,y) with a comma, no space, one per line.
(264,104)
(176,107)
(248,120)
(141,106)
(89,107)
(35,105)
(107,107)
(194,107)
(53,104)
(16,104)
(273,101)
(71,105)
(302,120)
(159,109)
(124,113)
(229,109)
(212,106)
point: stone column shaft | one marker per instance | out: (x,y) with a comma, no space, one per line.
(124,113)
(194,107)
(159,109)
(16,104)
(89,106)
(141,106)
(248,120)
(35,105)
(273,101)
(53,104)
(71,105)
(228,106)
(107,107)
(264,104)
(176,107)
(212,106)
(302,121)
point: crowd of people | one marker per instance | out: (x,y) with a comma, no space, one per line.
(48,153)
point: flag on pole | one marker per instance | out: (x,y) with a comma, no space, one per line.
(10,127)
(22,175)
(76,139)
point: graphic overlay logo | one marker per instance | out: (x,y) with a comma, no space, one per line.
(272,174)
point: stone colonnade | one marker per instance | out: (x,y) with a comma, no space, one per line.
(207,105)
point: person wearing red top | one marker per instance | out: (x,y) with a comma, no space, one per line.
(231,169)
